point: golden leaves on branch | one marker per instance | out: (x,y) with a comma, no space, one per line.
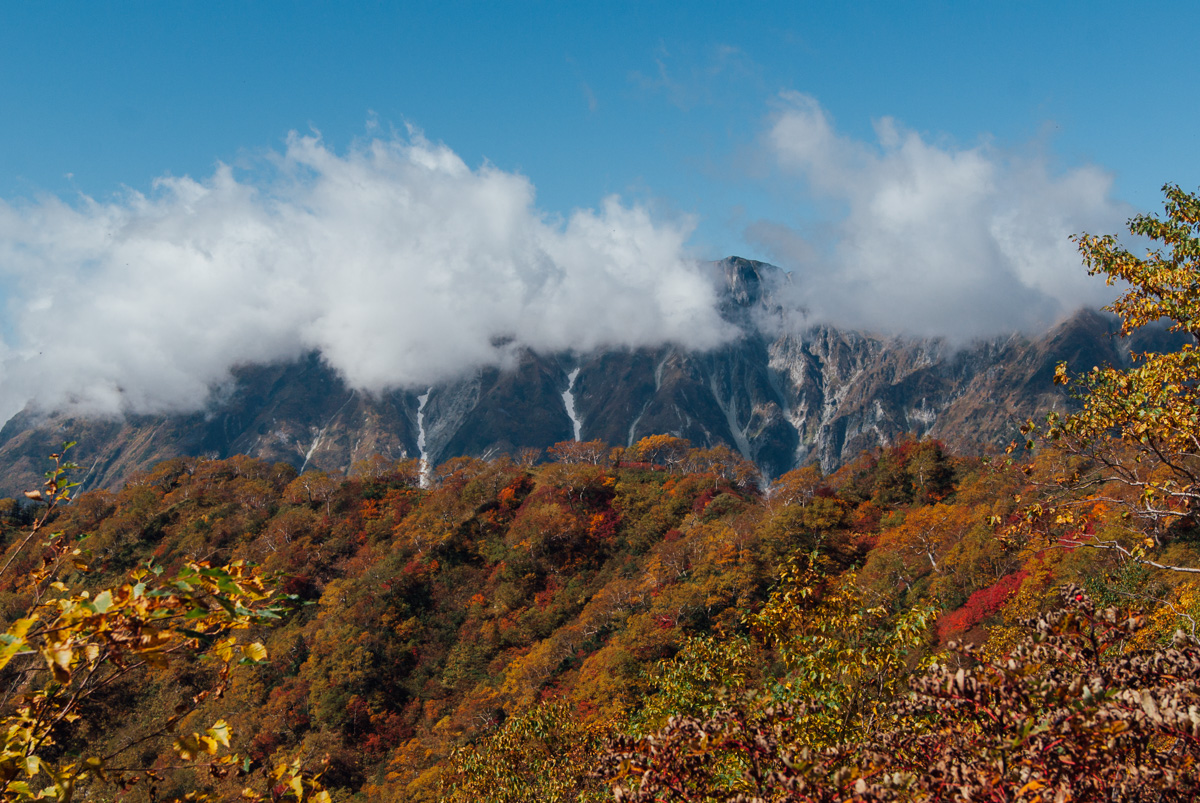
(70,645)
(1138,432)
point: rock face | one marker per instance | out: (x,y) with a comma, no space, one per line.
(780,395)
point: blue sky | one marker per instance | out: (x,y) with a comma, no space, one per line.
(657,100)
(855,144)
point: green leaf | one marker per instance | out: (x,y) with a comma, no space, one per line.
(103,602)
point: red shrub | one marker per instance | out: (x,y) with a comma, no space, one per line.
(982,604)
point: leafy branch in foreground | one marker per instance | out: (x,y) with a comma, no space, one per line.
(1138,432)
(70,647)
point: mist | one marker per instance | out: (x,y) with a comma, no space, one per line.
(927,237)
(396,261)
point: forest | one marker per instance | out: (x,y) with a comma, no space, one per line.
(650,623)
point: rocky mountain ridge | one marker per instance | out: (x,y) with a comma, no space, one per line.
(782,395)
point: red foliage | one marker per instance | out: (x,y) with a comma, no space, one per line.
(982,604)
(703,499)
(544,597)
(400,501)
(512,495)
(264,744)
(603,525)
(866,518)
(284,718)
(388,730)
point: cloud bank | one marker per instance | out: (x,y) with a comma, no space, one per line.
(397,261)
(932,239)
(403,266)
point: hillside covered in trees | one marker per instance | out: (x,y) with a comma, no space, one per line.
(497,629)
(645,623)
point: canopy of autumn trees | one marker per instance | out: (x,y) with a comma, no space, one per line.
(551,611)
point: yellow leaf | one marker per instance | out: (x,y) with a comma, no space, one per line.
(58,658)
(14,639)
(255,652)
(95,765)
(220,732)
(186,747)
(224,650)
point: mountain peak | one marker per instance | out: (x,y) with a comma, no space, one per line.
(746,280)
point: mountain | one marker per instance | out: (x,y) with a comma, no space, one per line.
(782,395)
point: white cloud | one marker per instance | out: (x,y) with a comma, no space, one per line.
(396,260)
(933,239)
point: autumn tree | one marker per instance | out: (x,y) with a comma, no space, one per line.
(920,542)
(593,453)
(723,463)
(1139,428)
(528,456)
(545,753)
(314,488)
(666,450)
(798,486)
